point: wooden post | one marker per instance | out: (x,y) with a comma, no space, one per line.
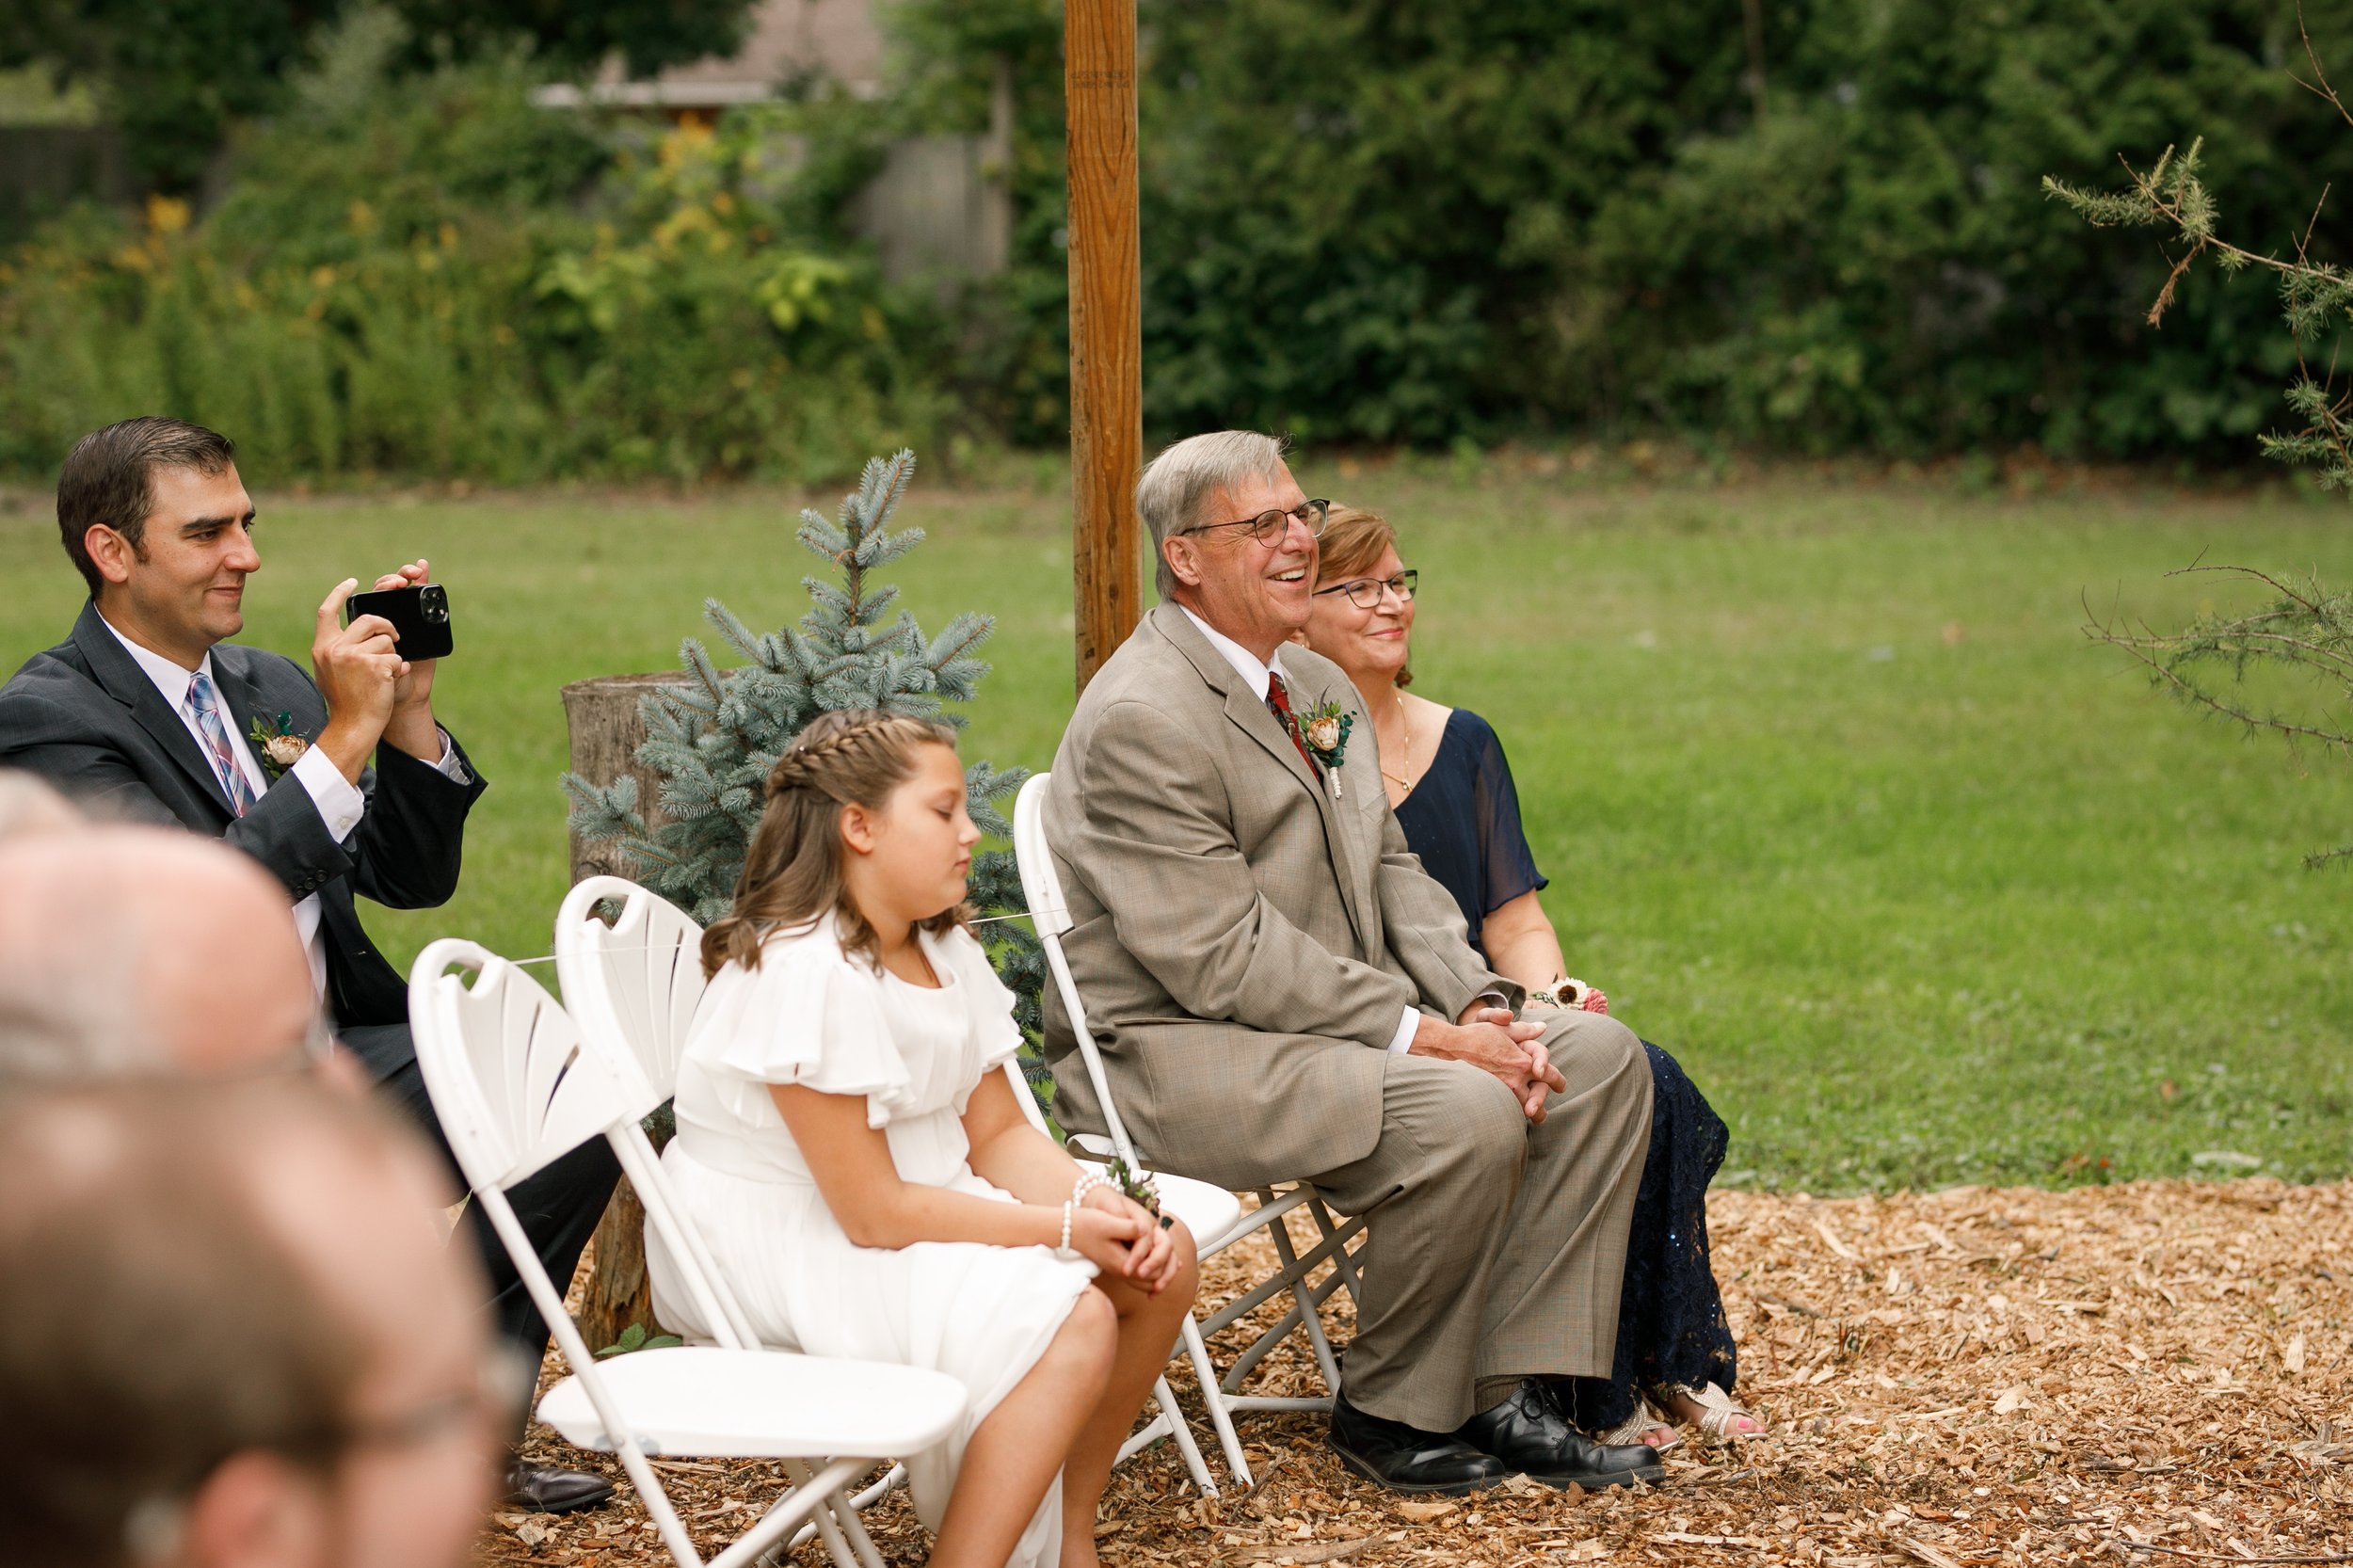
(1105,325)
(602,718)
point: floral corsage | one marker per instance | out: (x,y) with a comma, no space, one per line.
(1324,730)
(1139,1189)
(1571,994)
(281,748)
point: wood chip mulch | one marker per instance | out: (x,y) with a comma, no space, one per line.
(2154,1373)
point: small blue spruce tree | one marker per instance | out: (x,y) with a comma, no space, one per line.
(713,738)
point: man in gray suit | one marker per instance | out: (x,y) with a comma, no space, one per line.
(1280,991)
(338,786)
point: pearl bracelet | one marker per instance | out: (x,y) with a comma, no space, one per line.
(1088,1181)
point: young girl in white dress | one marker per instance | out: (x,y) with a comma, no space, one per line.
(848,1146)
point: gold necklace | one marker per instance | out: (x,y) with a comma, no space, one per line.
(1405,730)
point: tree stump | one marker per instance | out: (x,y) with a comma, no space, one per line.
(602,718)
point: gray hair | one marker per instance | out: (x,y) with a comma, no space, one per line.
(1169,491)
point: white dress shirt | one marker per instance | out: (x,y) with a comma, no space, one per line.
(1248,667)
(338,801)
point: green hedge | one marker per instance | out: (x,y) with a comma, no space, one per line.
(1382,220)
(427,275)
(1374,221)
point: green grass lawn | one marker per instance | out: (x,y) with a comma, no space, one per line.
(1837,801)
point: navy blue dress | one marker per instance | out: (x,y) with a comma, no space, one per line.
(1464,821)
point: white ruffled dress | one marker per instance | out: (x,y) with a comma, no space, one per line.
(811,1014)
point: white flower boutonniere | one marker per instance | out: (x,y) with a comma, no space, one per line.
(281,749)
(1325,730)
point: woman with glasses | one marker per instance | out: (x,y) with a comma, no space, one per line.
(1447,779)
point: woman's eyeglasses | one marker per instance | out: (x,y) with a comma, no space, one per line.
(1365,592)
(1268,528)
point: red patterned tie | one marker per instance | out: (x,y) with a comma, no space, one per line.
(1278,702)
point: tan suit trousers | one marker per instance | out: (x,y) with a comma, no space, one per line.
(1497,1245)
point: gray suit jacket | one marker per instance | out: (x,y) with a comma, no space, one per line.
(85,716)
(1245,943)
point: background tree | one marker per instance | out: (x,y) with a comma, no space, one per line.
(1408,220)
(2305,630)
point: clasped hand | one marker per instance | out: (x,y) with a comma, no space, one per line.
(372,693)
(1121,1237)
(1490,1039)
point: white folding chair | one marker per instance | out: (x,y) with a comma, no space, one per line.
(514,1089)
(1050,912)
(633,986)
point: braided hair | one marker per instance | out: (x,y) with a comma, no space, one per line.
(794,870)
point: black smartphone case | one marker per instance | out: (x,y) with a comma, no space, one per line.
(419,615)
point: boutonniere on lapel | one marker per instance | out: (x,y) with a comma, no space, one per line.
(1324,727)
(281,748)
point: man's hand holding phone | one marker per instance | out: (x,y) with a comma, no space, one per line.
(372,694)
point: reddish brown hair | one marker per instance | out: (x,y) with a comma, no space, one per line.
(1352,540)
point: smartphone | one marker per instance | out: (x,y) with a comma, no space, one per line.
(419,615)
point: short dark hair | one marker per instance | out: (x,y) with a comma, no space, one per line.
(158,1321)
(110,477)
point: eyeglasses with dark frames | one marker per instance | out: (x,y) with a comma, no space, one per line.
(1268,528)
(1365,592)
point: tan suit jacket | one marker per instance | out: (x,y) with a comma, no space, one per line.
(1245,942)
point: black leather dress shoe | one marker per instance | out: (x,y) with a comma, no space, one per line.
(1407,1459)
(1529,1434)
(538,1491)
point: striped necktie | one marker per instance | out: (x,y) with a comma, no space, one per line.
(206,706)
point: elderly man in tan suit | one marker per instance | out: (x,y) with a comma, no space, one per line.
(1280,991)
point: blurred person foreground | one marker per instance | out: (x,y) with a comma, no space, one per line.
(236,1339)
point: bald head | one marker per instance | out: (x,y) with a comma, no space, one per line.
(127,949)
(28,805)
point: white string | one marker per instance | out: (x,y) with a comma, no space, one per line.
(659,947)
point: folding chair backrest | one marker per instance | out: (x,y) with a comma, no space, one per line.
(637,980)
(633,987)
(510,1085)
(1050,912)
(513,1090)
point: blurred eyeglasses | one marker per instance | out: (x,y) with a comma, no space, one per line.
(156,1526)
(1268,528)
(1365,592)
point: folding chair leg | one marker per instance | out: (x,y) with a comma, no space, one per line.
(839,1506)
(766,1542)
(1182,1434)
(823,1520)
(1307,1317)
(1283,1327)
(1214,1398)
(1351,1270)
(856,1505)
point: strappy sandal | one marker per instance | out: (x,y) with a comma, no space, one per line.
(1644,1424)
(1718,1417)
